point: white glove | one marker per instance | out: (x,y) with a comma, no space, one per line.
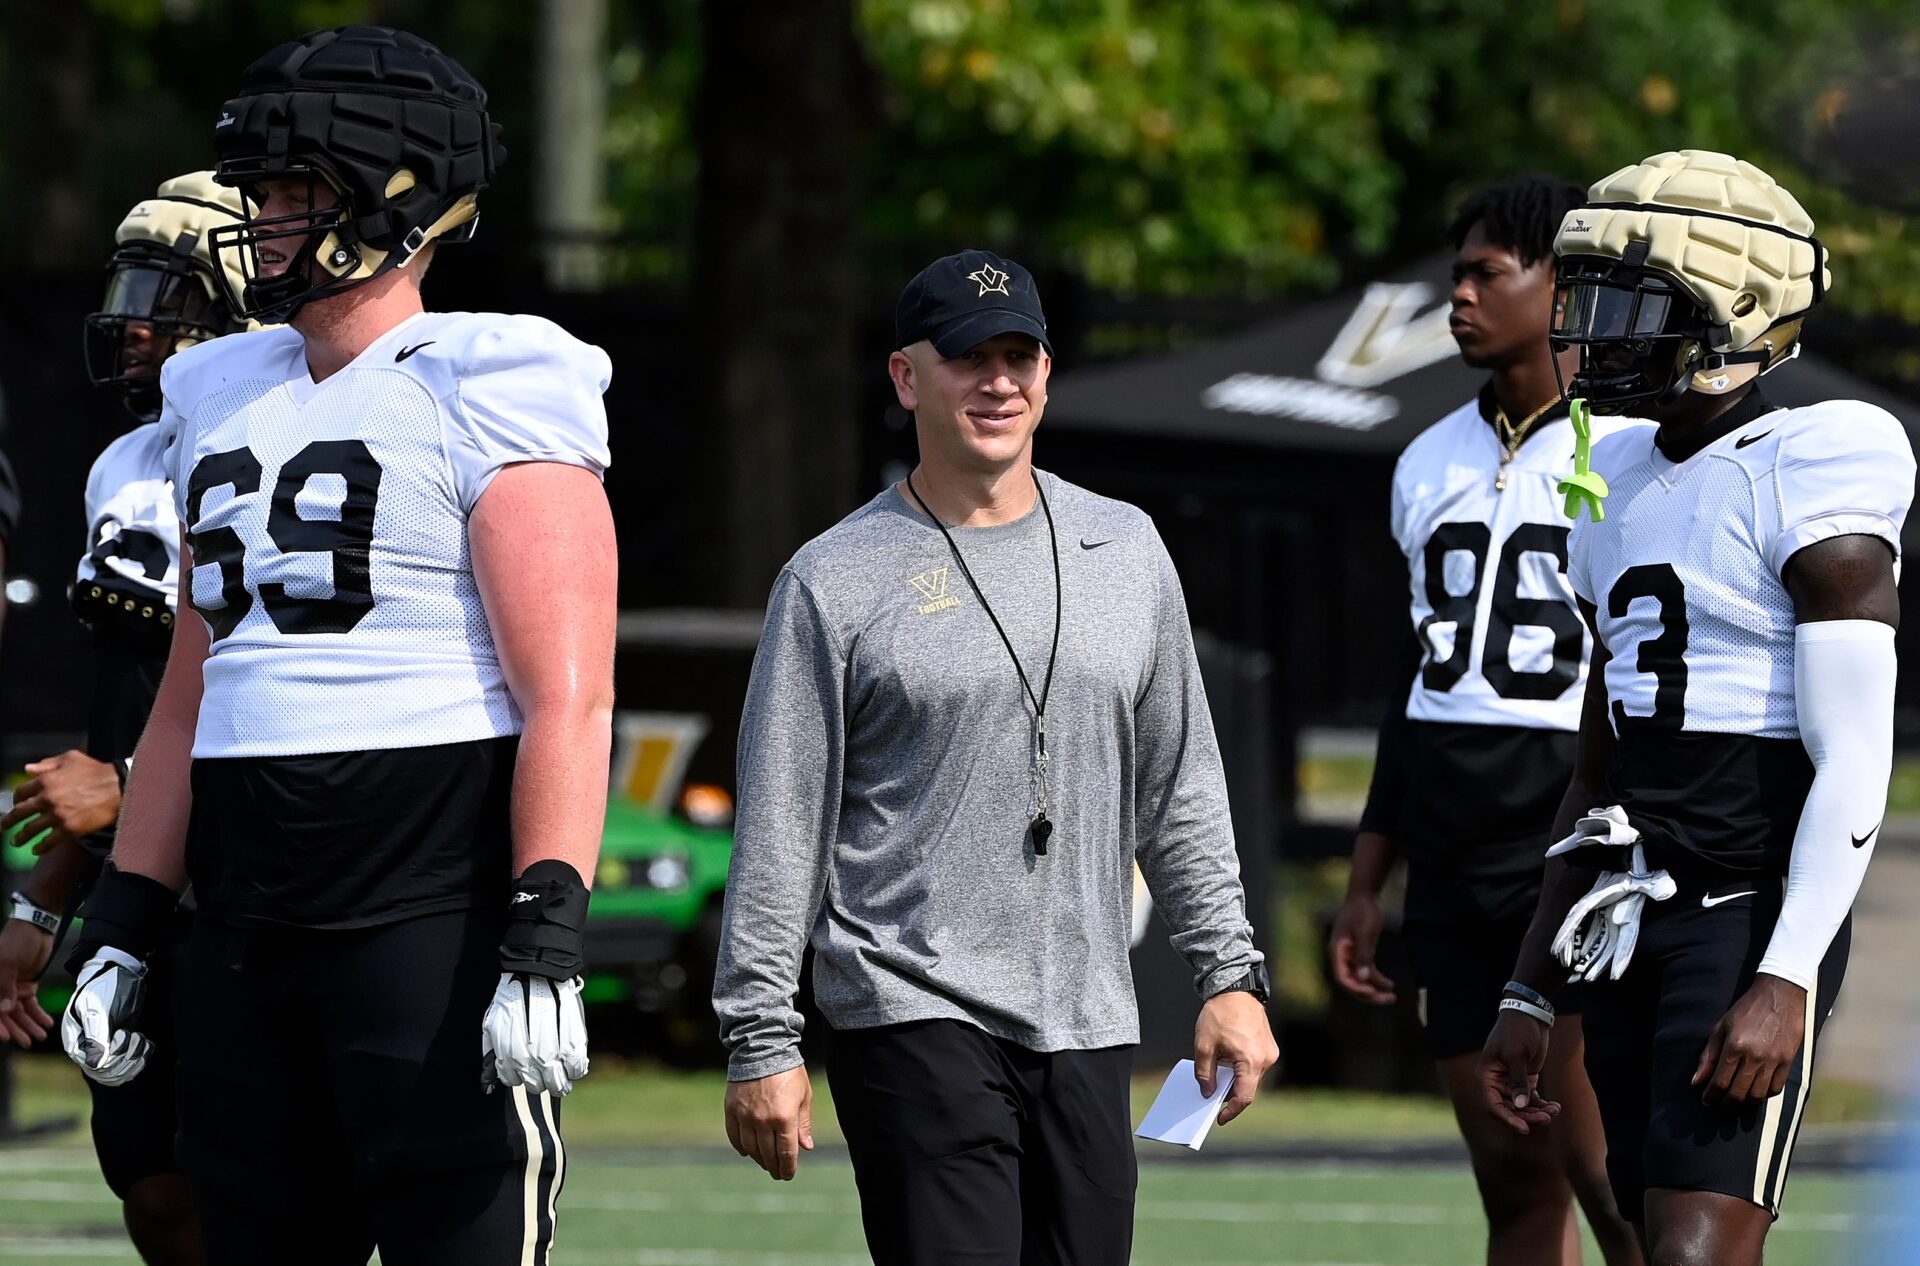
(534,1034)
(97,1027)
(1600,826)
(1600,932)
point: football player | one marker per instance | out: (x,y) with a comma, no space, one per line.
(162,295)
(379,751)
(1475,751)
(1737,566)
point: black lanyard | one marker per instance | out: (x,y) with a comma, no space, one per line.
(1042,825)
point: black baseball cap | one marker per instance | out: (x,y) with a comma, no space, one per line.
(961,301)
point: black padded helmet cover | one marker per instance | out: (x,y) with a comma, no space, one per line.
(362,105)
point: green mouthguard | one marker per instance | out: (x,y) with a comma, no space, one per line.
(1584,487)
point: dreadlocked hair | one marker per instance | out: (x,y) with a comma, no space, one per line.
(1521,214)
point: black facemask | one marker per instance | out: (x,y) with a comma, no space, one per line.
(155,297)
(1641,335)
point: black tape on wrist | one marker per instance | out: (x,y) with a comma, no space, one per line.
(545,916)
(132,913)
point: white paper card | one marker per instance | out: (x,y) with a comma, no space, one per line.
(1181,1114)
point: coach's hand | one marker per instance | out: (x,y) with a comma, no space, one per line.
(1510,1067)
(1355,939)
(1233,1030)
(24,951)
(72,793)
(1749,1052)
(771,1120)
(98,1027)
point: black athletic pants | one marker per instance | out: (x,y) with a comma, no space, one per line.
(973,1151)
(330,1100)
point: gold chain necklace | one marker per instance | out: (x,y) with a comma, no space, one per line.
(1510,436)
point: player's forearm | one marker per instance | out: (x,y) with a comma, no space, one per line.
(1374,856)
(56,875)
(560,782)
(1843,688)
(1560,887)
(151,838)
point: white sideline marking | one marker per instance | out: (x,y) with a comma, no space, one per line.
(56,1193)
(95,1249)
(39,1162)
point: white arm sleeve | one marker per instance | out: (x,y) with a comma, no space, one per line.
(1843,674)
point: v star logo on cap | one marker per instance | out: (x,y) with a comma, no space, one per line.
(993,281)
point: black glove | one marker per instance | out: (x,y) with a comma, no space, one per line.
(545,916)
(132,913)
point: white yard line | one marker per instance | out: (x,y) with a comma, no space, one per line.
(81,1250)
(34,1191)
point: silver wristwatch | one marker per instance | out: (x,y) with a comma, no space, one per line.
(21,906)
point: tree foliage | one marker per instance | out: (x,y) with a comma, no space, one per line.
(1255,147)
(1179,147)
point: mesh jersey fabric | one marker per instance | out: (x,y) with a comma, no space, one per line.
(133,531)
(1690,555)
(328,523)
(132,548)
(1487,567)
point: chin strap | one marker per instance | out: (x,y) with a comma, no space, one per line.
(1584,487)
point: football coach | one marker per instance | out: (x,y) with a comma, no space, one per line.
(974,707)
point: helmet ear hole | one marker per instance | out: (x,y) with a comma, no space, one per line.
(1744,304)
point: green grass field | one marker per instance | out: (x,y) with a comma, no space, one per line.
(647,1187)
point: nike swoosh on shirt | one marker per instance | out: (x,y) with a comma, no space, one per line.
(1861,841)
(1086,544)
(1710,902)
(1745,440)
(405,352)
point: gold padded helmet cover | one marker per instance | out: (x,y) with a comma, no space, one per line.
(192,203)
(1748,278)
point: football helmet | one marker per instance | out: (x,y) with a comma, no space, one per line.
(164,291)
(391,140)
(1691,271)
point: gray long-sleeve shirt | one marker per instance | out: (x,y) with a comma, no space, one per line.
(886,774)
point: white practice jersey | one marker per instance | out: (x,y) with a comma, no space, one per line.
(133,531)
(328,523)
(1501,640)
(1686,568)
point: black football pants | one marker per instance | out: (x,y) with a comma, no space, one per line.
(973,1151)
(330,1100)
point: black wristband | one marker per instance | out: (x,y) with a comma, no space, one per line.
(545,916)
(132,913)
(1528,994)
(1253,980)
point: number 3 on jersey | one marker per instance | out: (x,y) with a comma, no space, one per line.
(1508,611)
(348,538)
